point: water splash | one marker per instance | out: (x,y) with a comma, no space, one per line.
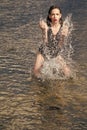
(53,67)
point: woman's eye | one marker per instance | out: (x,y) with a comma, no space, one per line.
(53,14)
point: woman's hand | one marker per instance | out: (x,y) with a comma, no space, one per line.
(42,24)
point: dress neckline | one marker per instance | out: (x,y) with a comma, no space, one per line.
(56,33)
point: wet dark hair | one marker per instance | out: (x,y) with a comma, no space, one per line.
(49,12)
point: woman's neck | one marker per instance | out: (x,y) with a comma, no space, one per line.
(55,28)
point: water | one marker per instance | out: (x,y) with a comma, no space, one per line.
(33,105)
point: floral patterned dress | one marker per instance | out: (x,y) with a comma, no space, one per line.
(51,49)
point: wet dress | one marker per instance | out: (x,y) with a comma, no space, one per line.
(51,49)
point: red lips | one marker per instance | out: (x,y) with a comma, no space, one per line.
(55,19)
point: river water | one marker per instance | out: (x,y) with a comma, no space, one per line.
(29,104)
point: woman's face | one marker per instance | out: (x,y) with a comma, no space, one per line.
(55,16)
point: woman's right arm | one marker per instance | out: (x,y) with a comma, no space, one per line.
(44,28)
(42,24)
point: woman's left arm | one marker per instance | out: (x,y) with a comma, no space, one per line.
(65,31)
(64,34)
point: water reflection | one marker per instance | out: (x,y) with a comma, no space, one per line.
(29,104)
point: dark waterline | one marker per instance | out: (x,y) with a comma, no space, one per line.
(33,105)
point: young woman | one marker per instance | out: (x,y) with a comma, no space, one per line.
(53,36)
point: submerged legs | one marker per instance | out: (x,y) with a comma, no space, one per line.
(65,68)
(38,64)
